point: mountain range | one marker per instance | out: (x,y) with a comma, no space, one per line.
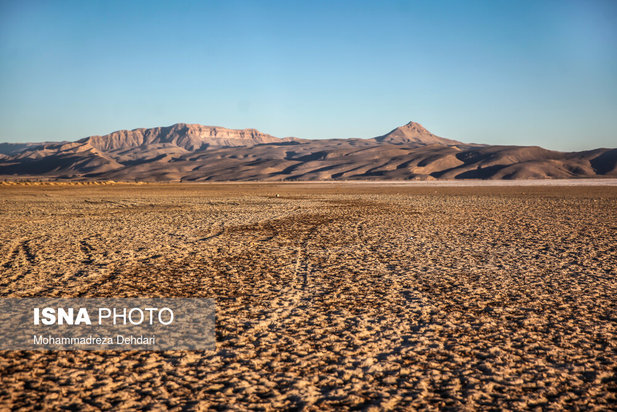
(193,152)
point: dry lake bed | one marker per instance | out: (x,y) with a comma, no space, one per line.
(328,296)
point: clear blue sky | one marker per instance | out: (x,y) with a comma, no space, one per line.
(520,72)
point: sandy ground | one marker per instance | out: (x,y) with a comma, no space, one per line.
(328,296)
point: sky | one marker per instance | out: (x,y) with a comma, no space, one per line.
(498,72)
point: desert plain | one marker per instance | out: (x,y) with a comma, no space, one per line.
(329,296)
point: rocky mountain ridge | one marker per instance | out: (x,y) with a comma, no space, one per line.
(192,152)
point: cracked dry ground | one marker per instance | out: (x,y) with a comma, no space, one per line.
(329,296)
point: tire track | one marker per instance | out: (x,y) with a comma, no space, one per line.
(87,251)
(266,224)
(12,255)
(73,278)
(289,299)
(272,229)
(96,285)
(18,265)
(22,249)
(360,230)
(221,232)
(30,256)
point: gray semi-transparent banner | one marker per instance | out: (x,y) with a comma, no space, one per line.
(101,323)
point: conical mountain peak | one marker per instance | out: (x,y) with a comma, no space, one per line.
(414,133)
